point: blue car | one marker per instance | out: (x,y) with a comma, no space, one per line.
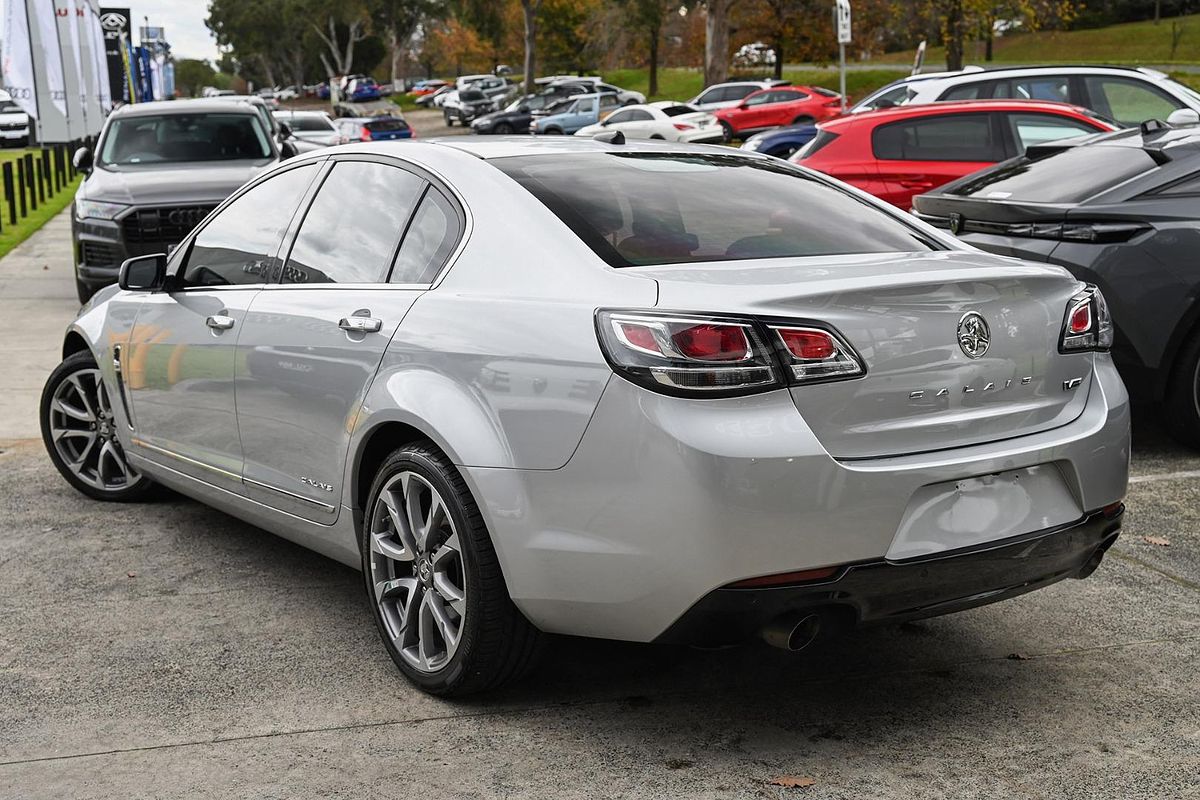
(372,129)
(363,89)
(583,110)
(781,142)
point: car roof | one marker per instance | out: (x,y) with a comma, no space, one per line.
(207,105)
(982,73)
(489,147)
(299,112)
(961,107)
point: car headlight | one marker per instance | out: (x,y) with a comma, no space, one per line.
(91,209)
(753,143)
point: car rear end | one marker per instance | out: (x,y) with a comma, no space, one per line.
(384,129)
(823,421)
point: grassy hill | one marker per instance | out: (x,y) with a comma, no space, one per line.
(1129,43)
(678,83)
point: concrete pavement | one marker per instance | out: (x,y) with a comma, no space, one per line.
(169,650)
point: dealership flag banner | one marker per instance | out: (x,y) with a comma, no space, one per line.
(65,9)
(18,56)
(103,92)
(47,28)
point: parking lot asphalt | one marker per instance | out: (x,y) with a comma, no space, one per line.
(167,649)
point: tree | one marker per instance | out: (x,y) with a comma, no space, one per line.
(529,10)
(400,20)
(192,75)
(646,18)
(340,26)
(716,40)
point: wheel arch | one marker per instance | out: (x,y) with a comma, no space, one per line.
(74,342)
(1185,330)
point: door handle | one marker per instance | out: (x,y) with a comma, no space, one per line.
(219,322)
(916,183)
(360,324)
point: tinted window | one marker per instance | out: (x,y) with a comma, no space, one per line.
(1031,129)
(675,111)
(1056,89)
(313,123)
(471,96)
(738,92)
(1066,177)
(620,116)
(1129,102)
(1188,186)
(184,137)
(759,99)
(381,125)
(651,208)
(711,96)
(352,227)
(969,91)
(430,239)
(238,245)
(886,99)
(787,96)
(637,115)
(609,101)
(959,137)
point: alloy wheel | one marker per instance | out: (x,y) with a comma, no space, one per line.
(417,571)
(83,430)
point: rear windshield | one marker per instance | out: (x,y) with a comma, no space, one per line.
(1067,177)
(380,125)
(313,123)
(471,96)
(651,208)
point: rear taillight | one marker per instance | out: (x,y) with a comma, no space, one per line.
(700,355)
(366,133)
(682,126)
(1087,325)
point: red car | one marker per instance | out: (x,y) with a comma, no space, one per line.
(898,153)
(779,105)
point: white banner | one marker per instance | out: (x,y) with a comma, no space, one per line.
(87,62)
(68,37)
(103,92)
(17,67)
(47,30)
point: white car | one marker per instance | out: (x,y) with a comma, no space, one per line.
(14,123)
(1126,95)
(665,120)
(727,95)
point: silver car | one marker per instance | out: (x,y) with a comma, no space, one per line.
(651,392)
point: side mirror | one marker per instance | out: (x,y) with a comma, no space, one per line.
(287,150)
(82,160)
(143,273)
(524,109)
(285,131)
(1183,116)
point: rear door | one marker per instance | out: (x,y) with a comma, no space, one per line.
(920,154)
(373,238)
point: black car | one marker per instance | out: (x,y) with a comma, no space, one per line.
(156,172)
(1120,210)
(517,116)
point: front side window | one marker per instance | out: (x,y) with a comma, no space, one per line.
(1030,129)
(351,230)
(957,137)
(1129,102)
(739,91)
(429,241)
(759,99)
(174,138)
(619,117)
(238,245)
(670,208)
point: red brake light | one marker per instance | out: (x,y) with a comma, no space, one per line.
(1081,319)
(808,344)
(366,134)
(640,336)
(713,342)
(682,126)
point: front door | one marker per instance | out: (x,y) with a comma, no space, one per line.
(181,361)
(312,342)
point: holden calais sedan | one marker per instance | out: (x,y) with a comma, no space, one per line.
(671,403)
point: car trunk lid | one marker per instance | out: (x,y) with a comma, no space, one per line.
(902,313)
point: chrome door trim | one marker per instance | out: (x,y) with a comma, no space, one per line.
(292,495)
(185,459)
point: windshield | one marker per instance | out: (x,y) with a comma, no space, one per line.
(8,107)
(174,138)
(651,208)
(313,123)
(1067,177)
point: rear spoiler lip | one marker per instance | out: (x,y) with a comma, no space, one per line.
(940,207)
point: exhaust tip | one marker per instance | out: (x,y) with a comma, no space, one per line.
(792,632)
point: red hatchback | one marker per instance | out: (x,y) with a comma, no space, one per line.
(898,153)
(779,105)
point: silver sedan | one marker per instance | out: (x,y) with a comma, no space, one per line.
(646,391)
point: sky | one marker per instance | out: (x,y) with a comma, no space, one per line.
(183,19)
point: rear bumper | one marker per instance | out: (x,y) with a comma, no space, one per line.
(667,500)
(892,591)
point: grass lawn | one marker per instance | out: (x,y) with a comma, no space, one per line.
(678,83)
(12,235)
(1128,43)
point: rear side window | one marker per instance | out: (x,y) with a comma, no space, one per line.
(737,92)
(351,230)
(958,137)
(670,208)
(1067,177)
(429,241)
(675,111)
(967,91)
(788,96)
(1056,89)
(1129,102)
(238,245)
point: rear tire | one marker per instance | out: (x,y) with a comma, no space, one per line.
(79,431)
(504,129)
(1182,403)
(553,132)
(435,587)
(726,132)
(803,119)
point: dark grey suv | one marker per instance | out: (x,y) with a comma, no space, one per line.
(1122,211)
(158,169)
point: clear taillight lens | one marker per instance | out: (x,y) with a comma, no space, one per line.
(1087,325)
(815,354)
(687,355)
